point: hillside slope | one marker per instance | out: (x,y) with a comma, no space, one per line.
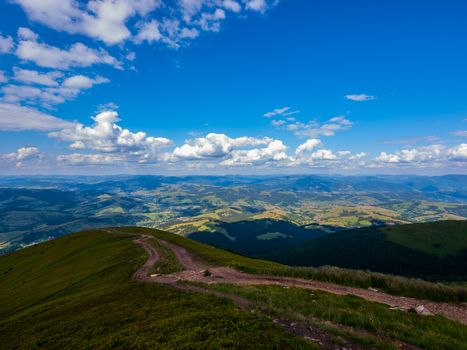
(259,237)
(98,290)
(76,292)
(435,250)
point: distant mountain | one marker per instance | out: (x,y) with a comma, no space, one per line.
(433,250)
(37,208)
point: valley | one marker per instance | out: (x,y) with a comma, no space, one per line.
(34,209)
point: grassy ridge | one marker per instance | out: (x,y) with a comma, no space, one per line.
(441,238)
(76,292)
(433,251)
(207,253)
(435,332)
(395,285)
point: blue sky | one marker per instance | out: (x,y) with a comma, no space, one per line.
(224,86)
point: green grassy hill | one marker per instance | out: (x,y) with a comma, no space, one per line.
(434,250)
(442,238)
(76,292)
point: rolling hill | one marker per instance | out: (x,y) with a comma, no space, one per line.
(83,291)
(434,250)
(259,237)
(76,292)
(37,208)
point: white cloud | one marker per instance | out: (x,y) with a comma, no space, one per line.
(90,159)
(82,82)
(256,5)
(307,146)
(434,156)
(6,44)
(100,19)
(226,151)
(211,21)
(77,55)
(307,155)
(215,146)
(115,21)
(110,106)
(27,34)
(314,129)
(277,123)
(360,97)
(51,94)
(387,158)
(17,93)
(324,154)
(458,153)
(462,133)
(35,77)
(23,154)
(149,32)
(275,151)
(232,5)
(16,118)
(412,155)
(108,137)
(189,8)
(3,77)
(284,111)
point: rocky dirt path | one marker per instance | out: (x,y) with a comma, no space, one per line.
(195,272)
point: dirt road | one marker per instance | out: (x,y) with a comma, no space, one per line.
(194,271)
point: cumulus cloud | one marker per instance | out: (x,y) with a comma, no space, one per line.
(149,32)
(83,82)
(106,136)
(412,155)
(307,146)
(6,44)
(274,151)
(231,5)
(458,153)
(115,21)
(15,118)
(427,156)
(103,20)
(22,155)
(360,97)
(308,155)
(215,146)
(48,56)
